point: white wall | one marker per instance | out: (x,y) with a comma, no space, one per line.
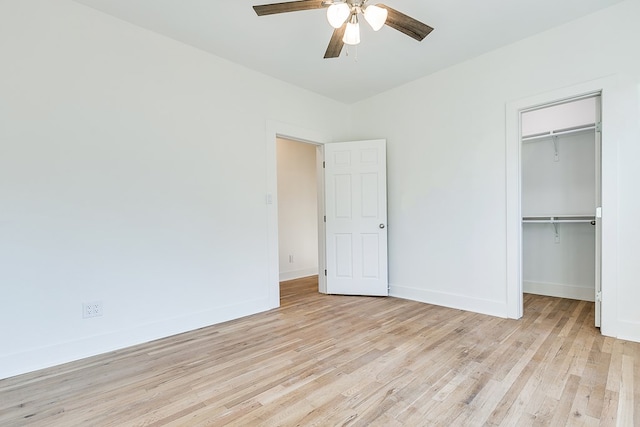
(133,171)
(561,268)
(566,186)
(297,209)
(447,173)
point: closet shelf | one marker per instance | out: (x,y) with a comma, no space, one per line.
(559,132)
(556,219)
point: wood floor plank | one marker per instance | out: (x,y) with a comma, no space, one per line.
(626,403)
(609,409)
(323,360)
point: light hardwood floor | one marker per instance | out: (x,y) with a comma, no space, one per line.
(324,360)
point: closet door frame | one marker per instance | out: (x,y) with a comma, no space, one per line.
(598,213)
(515,308)
(555,126)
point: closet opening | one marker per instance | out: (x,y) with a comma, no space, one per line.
(560,178)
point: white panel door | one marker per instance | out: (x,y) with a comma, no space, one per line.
(356,216)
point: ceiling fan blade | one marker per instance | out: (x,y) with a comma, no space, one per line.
(406,24)
(336,43)
(290,6)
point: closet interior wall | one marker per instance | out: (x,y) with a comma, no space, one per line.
(559,199)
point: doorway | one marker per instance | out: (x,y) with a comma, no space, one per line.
(298,209)
(560,199)
(349,247)
(368,153)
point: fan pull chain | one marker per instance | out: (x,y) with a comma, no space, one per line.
(356,58)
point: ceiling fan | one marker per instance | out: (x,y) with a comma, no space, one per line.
(343,17)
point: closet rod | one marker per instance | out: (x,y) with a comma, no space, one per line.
(558,133)
(555,221)
(558,219)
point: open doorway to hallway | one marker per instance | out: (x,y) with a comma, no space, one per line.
(297,210)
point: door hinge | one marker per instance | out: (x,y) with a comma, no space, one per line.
(599,127)
(325,218)
(599,296)
(324,164)
(325,271)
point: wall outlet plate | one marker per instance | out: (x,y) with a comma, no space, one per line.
(91,309)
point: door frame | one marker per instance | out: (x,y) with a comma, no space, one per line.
(604,87)
(597,121)
(273,131)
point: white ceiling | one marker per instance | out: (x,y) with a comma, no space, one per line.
(291,46)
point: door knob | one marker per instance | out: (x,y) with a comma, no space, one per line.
(381,226)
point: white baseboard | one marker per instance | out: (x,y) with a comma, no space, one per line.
(559,290)
(290,275)
(460,302)
(40,358)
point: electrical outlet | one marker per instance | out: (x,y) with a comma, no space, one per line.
(91,309)
(290,259)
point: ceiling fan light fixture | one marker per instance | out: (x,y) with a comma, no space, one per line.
(352,32)
(376,16)
(343,17)
(337,13)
